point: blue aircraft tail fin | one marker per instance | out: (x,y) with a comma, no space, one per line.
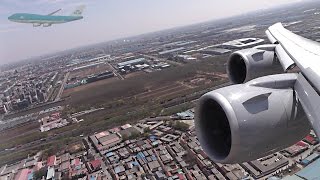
(78,11)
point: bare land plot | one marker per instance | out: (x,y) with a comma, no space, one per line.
(100,93)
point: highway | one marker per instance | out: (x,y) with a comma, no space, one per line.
(161,118)
(115,71)
(62,86)
(37,143)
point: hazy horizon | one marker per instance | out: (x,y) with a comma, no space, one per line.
(106,21)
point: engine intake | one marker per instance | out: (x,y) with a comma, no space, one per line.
(247,64)
(237,69)
(244,122)
(220,130)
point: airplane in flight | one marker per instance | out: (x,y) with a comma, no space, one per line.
(47,20)
(263,113)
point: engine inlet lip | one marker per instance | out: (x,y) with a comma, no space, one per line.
(233,123)
(230,62)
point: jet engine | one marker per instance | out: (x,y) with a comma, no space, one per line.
(247,121)
(247,64)
(36,24)
(46,25)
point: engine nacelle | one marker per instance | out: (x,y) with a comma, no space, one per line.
(244,122)
(46,25)
(36,24)
(247,64)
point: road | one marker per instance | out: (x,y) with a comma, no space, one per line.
(161,118)
(35,109)
(161,59)
(115,71)
(37,143)
(62,86)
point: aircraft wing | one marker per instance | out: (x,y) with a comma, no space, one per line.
(304,52)
(54,12)
(266,109)
(306,55)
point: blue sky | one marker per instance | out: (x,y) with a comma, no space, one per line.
(106,20)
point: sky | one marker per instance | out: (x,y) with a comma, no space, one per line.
(106,20)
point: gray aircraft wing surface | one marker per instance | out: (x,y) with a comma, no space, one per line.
(269,107)
(306,55)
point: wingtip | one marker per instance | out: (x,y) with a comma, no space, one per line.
(276,26)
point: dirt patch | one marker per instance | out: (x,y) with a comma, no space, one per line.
(18,131)
(90,70)
(130,75)
(156,93)
(142,84)
(85,87)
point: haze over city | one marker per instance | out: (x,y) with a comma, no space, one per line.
(162,89)
(107,20)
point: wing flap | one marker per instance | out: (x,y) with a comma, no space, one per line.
(304,52)
(270,37)
(310,101)
(286,62)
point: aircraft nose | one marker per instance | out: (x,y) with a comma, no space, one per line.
(10,17)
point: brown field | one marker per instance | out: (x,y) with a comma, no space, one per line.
(162,91)
(104,82)
(91,70)
(130,75)
(18,131)
(144,85)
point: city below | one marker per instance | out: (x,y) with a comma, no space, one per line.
(125,109)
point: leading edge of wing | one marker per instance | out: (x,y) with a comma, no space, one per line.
(304,52)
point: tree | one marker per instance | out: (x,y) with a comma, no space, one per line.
(145,135)
(65,176)
(134,135)
(171,124)
(78,176)
(181,126)
(125,137)
(147,130)
(40,173)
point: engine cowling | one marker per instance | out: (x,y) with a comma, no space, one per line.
(244,122)
(46,25)
(36,24)
(247,64)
